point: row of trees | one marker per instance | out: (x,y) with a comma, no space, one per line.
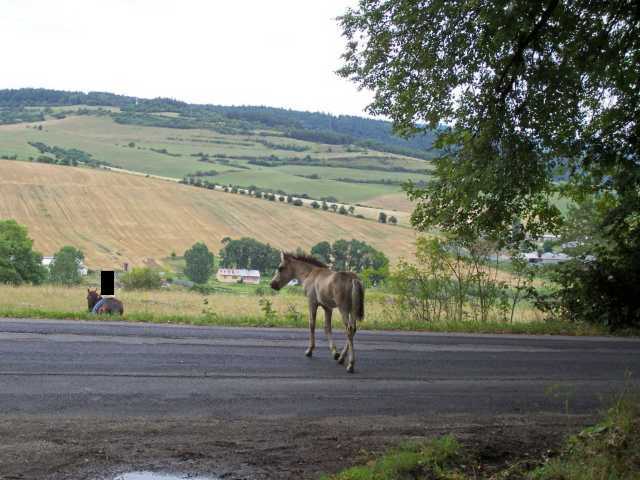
(199,180)
(19,263)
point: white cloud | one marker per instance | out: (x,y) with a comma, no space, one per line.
(280,53)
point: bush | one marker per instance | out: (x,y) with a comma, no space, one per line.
(141,278)
(297,202)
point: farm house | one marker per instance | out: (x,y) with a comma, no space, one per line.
(235,275)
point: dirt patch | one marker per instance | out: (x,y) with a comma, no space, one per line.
(56,448)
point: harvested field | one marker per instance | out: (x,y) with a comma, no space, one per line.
(115,217)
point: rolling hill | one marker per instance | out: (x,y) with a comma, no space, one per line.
(342,158)
(116,217)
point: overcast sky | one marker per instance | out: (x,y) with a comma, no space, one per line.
(279,53)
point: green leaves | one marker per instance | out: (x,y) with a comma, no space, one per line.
(65,266)
(199,263)
(18,262)
(521,84)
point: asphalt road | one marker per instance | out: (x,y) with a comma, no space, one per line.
(107,368)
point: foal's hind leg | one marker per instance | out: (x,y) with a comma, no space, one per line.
(327,331)
(313,309)
(351,330)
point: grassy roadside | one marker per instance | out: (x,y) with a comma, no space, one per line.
(271,318)
(608,450)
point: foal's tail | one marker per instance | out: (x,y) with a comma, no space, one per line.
(357,300)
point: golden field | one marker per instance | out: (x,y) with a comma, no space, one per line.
(116,217)
(180,305)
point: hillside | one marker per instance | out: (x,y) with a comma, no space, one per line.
(314,155)
(314,126)
(116,217)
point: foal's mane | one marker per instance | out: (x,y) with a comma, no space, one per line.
(308,259)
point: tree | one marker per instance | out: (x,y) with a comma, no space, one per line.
(382,217)
(322,251)
(325,207)
(528,91)
(199,262)
(65,266)
(315,205)
(342,210)
(249,253)
(18,262)
(340,254)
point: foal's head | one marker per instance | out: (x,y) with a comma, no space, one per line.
(284,273)
(92,298)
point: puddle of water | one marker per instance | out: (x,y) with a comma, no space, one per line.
(158,476)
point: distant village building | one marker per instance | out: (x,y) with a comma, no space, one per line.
(82,268)
(546,258)
(235,275)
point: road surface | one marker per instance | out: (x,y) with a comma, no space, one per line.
(131,369)
(88,400)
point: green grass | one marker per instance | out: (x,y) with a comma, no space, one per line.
(608,450)
(270,178)
(435,459)
(300,321)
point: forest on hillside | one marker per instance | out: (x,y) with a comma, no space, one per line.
(309,126)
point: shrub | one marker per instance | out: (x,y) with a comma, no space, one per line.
(141,278)
(297,202)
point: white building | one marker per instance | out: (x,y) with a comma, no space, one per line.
(234,275)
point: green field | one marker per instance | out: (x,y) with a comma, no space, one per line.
(172,152)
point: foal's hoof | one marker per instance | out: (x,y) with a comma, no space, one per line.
(336,355)
(309,352)
(350,368)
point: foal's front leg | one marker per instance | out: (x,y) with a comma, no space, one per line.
(313,309)
(327,331)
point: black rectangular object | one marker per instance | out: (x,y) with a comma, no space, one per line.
(107,282)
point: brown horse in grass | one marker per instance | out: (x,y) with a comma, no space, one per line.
(104,305)
(327,289)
